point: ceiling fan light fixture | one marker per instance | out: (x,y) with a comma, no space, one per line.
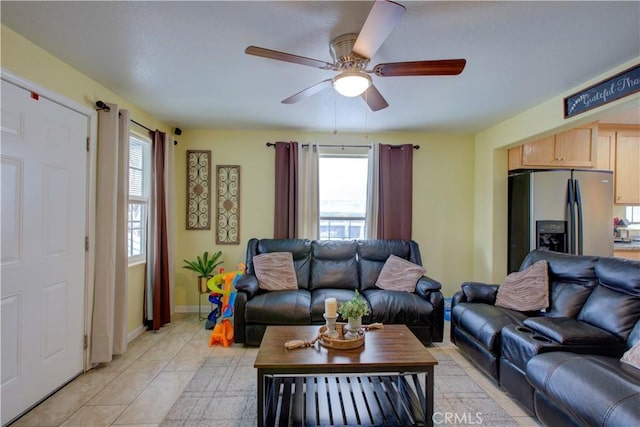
(351,83)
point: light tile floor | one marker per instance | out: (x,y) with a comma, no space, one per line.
(138,388)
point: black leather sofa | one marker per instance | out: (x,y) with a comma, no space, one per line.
(594,307)
(336,269)
(584,390)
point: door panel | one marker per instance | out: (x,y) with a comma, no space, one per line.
(43,258)
(596,189)
(548,199)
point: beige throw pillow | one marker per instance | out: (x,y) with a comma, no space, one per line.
(632,356)
(398,274)
(526,290)
(275,271)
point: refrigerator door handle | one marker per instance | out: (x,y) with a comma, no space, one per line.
(579,217)
(571,202)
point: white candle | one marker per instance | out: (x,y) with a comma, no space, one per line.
(330,307)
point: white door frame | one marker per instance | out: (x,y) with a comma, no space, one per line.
(92,130)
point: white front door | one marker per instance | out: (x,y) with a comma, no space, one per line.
(44,178)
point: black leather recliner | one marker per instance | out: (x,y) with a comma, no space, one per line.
(595,304)
(336,269)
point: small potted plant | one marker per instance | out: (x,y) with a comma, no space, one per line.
(353,311)
(204,266)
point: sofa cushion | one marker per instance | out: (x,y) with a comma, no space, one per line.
(300,250)
(279,308)
(399,275)
(334,264)
(484,321)
(568,331)
(317,302)
(610,310)
(373,254)
(526,290)
(396,307)
(275,271)
(632,356)
(567,298)
(564,267)
(619,274)
(593,390)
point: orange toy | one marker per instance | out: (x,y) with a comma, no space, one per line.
(223,331)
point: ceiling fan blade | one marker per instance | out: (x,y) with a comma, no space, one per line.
(444,67)
(287,57)
(374,99)
(312,90)
(382,18)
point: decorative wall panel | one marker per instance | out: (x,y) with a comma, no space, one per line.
(228,205)
(198,190)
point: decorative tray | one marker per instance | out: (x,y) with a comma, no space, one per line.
(340,343)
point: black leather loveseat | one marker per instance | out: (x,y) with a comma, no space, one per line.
(594,307)
(336,269)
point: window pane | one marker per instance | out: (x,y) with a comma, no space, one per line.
(138,161)
(137,228)
(633,214)
(139,178)
(135,182)
(343,197)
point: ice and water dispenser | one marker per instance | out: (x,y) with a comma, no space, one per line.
(552,236)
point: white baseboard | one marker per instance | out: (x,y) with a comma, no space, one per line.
(191,309)
(135,333)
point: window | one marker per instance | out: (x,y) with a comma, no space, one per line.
(633,214)
(139,183)
(343,196)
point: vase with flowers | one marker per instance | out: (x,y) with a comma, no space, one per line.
(353,310)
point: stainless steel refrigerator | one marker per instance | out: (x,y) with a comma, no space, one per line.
(563,210)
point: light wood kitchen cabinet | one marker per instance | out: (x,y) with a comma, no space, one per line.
(572,148)
(606,151)
(575,148)
(627,167)
(627,254)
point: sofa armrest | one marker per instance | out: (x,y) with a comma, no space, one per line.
(239,303)
(479,292)
(248,284)
(437,329)
(426,285)
(568,331)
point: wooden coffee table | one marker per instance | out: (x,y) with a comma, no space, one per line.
(376,384)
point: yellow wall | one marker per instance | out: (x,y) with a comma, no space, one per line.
(490,213)
(442,206)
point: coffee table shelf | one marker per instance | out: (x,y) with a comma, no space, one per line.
(388,381)
(345,400)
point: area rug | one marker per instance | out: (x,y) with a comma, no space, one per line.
(222,393)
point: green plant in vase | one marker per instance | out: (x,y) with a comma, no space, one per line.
(353,310)
(204,266)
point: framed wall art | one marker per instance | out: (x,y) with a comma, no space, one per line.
(198,190)
(227,205)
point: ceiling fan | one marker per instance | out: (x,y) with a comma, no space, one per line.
(351,55)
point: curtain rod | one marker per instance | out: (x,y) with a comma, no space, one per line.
(102,106)
(416,147)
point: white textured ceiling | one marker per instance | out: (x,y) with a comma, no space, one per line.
(184,61)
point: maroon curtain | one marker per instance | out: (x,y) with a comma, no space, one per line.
(395,199)
(286,210)
(158,232)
